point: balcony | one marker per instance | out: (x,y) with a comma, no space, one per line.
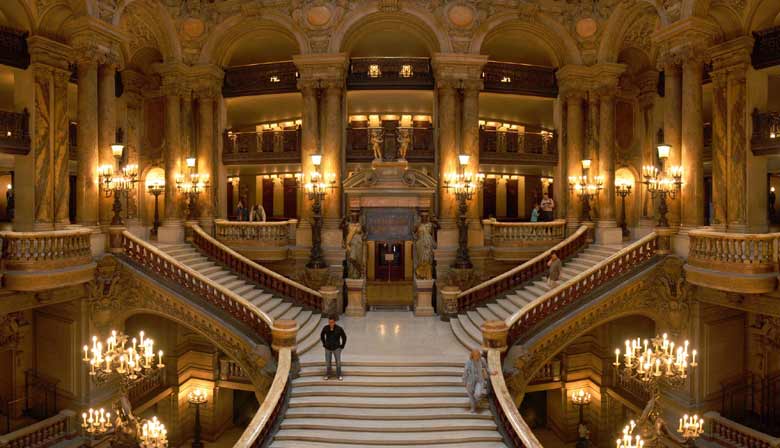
(519,79)
(514,241)
(15,132)
(276,144)
(261,241)
(765,52)
(390,73)
(260,79)
(766,133)
(512,143)
(13,48)
(361,127)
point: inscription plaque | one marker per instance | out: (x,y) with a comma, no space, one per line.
(389,224)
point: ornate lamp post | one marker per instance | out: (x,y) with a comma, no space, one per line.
(661,185)
(192,188)
(156,188)
(463,187)
(580,398)
(586,188)
(114,185)
(623,189)
(316,188)
(196,398)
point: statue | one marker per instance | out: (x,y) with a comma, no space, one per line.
(376,139)
(354,243)
(127,428)
(404,140)
(424,244)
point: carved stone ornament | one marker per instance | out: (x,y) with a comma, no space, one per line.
(12,329)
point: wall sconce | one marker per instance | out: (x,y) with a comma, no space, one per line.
(118,147)
(586,164)
(374,71)
(406,71)
(316,159)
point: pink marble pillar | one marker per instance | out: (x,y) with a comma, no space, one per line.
(607,159)
(738,150)
(575,139)
(172,156)
(692,198)
(719,150)
(673,127)
(106,128)
(309,135)
(333,129)
(87,190)
(61,147)
(448,147)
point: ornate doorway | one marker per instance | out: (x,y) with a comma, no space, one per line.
(389,261)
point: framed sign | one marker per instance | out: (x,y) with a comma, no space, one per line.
(389,224)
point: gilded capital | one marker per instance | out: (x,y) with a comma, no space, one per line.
(732,55)
(49,52)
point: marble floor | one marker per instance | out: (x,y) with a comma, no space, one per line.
(395,336)
(226,440)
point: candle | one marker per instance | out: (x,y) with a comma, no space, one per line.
(617,357)
(657,367)
(159,354)
(693,360)
(142,337)
(84,419)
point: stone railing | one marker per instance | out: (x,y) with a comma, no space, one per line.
(259,429)
(526,272)
(255,273)
(14,132)
(141,389)
(550,371)
(151,259)
(30,257)
(265,241)
(724,431)
(581,285)
(41,434)
(230,370)
(736,262)
(515,428)
(514,234)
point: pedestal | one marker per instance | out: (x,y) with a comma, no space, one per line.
(591,230)
(97,242)
(423,306)
(188,229)
(356,297)
(494,335)
(115,239)
(331,305)
(448,306)
(665,235)
(283,334)
(171,232)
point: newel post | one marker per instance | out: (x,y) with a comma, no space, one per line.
(115,239)
(494,335)
(331,305)
(283,334)
(449,302)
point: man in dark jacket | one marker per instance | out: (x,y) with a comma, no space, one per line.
(333,340)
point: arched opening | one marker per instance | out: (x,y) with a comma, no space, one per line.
(518,46)
(264,45)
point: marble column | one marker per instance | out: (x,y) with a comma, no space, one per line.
(332,131)
(43,218)
(575,139)
(173,156)
(470,140)
(692,139)
(309,143)
(61,147)
(87,181)
(719,150)
(673,127)
(738,150)
(106,128)
(448,149)
(648,86)
(607,159)
(206,154)
(134,85)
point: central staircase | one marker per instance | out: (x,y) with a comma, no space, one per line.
(467,325)
(384,404)
(276,308)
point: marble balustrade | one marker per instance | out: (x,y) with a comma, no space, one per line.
(517,234)
(44,433)
(724,431)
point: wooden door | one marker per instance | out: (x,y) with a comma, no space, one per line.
(268,197)
(290,198)
(511,198)
(489,199)
(389,264)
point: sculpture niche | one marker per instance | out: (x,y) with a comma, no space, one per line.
(355,245)
(424,244)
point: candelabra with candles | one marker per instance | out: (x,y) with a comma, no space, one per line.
(116,356)
(628,440)
(114,183)
(661,185)
(316,188)
(196,398)
(156,188)
(587,188)
(153,434)
(623,189)
(580,398)
(192,186)
(463,186)
(96,421)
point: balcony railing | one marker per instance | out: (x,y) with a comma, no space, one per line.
(390,73)
(13,48)
(765,48)
(733,262)
(532,145)
(281,145)
(261,241)
(520,79)
(14,132)
(230,370)
(260,79)
(766,133)
(146,386)
(42,260)
(420,145)
(260,429)
(517,431)
(42,434)
(550,371)
(721,430)
(519,234)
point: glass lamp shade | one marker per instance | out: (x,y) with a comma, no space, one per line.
(190,162)
(463,159)
(316,159)
(663,150)
(586,164)
(117,149)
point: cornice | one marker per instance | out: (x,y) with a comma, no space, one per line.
(735,52)
(49,52)
(458,66)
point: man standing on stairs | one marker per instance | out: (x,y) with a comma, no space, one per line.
(333,340)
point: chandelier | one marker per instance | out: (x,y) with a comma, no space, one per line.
(656,359)
(153,434)
(116,356)
(627,441)
(96,422)
(691,427)
(586,188)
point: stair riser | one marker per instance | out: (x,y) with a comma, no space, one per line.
(390,430)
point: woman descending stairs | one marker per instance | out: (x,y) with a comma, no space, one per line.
(309,323)
(467,325)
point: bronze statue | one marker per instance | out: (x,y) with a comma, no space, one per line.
(376,139)
(424,244)
(404,140)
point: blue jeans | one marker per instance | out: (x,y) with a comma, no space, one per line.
(328,356)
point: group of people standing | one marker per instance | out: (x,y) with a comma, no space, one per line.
(255,213)
(543,211)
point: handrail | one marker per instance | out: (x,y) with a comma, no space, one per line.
(152,258)
(753,253)
(719,427)
(254,272)
(45,250)
(525,272)
(581,284)
(516,428)
(42,433)
(263,422)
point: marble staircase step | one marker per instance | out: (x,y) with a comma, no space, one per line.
(333,412)
(517,300)
(205,267)
(470,328)
(475,318)
(542,284)
(507,305)
(309,337)
(461,335)
(391,426)
(270,304)
(299,444)
(292,313)
(406,363)
(410,438)
(232,283)
(381,402)
(360,392)
(241,290)
(407,371)
(279,310)
(486,314)
(498,310)
(307,324)
(535,290)
(381,381)
(528,296)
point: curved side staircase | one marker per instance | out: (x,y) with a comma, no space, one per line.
(384,404)
(309,322)
(467,325)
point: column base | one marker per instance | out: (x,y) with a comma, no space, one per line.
(423,293)
(171,232)
(356,297)
(607,233)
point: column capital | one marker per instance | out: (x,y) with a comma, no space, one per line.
(173,80)
(95,41)
(734,54)
(684,39)
(606,77)
(458,66)
(206,81)
(322,67)
(45,51)
(134,82)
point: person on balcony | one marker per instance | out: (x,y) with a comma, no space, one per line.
(535,213)
(240,211)
(547,205)
(257,214)
(333,339)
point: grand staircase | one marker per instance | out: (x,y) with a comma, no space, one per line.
(384,404)
(309,322)
(467,325)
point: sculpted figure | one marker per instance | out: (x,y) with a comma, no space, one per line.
(424,244)
(404,140)
(376,140)
(354,243)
